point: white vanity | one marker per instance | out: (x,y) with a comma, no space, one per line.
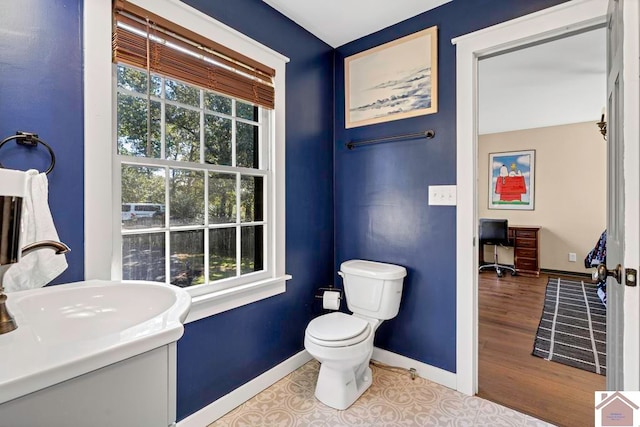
(94,353)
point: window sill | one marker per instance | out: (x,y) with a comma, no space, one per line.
(227,299)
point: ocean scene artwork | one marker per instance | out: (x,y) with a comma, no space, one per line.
(392,81)
(511,180)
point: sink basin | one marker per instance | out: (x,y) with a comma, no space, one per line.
(92,312)
(68,330)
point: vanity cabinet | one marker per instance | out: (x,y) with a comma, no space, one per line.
(136,392)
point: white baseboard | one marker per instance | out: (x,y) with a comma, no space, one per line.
(431,373)
(217,409)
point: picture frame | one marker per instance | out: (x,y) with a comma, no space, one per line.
(393,81)
(512,180)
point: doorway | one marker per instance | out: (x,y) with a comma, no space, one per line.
(568,17)
(538,105)
(573,16)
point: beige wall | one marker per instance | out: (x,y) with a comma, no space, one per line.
(570,190)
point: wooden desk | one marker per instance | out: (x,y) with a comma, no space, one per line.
(526,249)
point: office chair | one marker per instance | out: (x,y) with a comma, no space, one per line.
(495,232)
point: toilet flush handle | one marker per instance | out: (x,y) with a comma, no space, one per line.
(341,274)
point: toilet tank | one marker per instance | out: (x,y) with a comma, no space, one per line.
(373,289)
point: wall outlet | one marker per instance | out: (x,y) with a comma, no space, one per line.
(572,257)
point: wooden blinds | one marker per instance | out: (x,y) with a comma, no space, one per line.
(148,41)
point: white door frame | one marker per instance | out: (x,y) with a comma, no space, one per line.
(565,18)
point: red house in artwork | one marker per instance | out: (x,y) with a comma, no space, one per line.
(511,188)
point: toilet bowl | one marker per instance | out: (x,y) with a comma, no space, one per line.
(343,343)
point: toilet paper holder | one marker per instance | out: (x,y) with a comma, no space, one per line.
(330,288)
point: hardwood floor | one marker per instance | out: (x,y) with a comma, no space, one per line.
(509,311)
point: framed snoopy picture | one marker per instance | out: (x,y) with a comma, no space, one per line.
(512,180)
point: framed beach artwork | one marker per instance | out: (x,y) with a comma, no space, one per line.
(512,180)
(392,81)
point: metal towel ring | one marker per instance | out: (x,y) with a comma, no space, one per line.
(30,140)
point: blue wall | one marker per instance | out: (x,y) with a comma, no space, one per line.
(41,92)
(220,353)
(381,210)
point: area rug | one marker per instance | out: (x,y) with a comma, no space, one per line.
(573,327)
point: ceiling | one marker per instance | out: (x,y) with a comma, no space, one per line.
(554,83)
(337,22)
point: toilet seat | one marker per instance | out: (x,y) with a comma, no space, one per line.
(338,330)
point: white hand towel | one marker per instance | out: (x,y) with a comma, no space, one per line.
(37,268)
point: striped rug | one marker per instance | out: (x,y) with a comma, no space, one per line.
(573,326)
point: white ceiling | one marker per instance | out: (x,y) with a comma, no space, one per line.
(555,83)
(337,22)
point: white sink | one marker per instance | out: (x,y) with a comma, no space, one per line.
(68,330)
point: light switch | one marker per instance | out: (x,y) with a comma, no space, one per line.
(442,195)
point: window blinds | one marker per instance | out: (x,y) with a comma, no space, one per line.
(146,40)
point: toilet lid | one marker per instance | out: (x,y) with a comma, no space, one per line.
(336,327)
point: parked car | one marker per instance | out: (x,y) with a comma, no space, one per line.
(136,211)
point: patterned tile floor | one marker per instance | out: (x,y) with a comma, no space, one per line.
(392,400)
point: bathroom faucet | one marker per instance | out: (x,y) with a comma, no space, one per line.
(59,247)
(7,322)
(12,188)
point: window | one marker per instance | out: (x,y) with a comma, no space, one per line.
(192,167)
(196,173)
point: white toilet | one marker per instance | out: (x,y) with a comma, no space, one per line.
(343,343)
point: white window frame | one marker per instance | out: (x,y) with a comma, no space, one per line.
(102,214)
